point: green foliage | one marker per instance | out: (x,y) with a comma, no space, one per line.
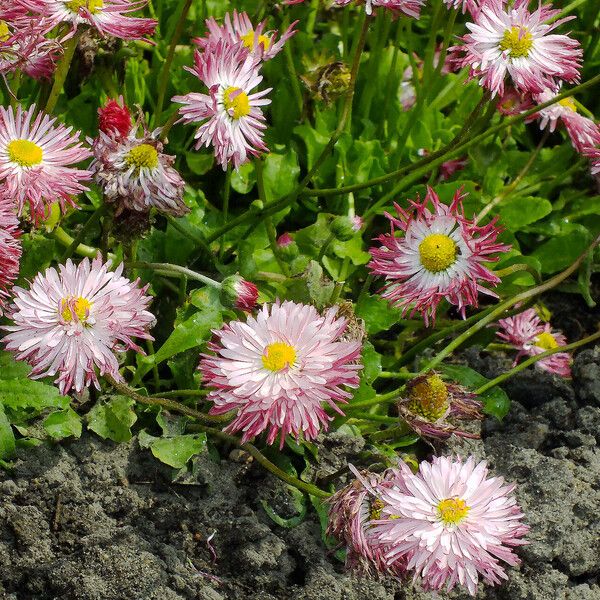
(113,419)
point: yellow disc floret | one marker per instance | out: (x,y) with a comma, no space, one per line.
(278,356)
(546,341)
(25,153)
(376,508)
(92,6)
(518,41)
(429,398)
(80,307)
(437,252)
(143,155)
(4,31)
(452,511)
(236,102)
(248,40)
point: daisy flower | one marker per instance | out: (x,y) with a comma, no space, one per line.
(231,116)
(108,17)
(451,523)
(431,405)
(276,370)
(439,256)
(351,513)
(239,28)
(594,155)
(531,336)
(410,8)
(35,161)
(134,173)
(465,5)
(72,321)
(10,249)
(518,43)
(582,131)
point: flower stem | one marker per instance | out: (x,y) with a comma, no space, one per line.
(76,243)
(63,238)
(532,360)
(175,271)
(180,394)
(62,71)
(166,70)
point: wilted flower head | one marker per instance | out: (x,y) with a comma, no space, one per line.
(231,117)
(10,249)
(439,256)
(351,513)
(114,117)
(325,78)
(73,320)
(514,41)
(238,293)
(431,405)
(530,336)
(109,17)
(450,523)
(239,28)
(583,132)
(35,161)
(513,102)
(134,173)
(276,369)
(410,8)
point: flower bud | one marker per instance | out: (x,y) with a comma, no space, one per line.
(236,292)
(115,118)
(343,228)
(287,247)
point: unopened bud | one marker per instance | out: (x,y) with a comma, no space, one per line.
(343,228)
(236,292)
(287,247)
(115,118)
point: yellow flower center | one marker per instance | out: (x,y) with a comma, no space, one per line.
(569,103)
(143,155)
(376,508)
(546,341)
(79,307)
(429,398)
(518,41)
(92,6)
(25,153)
(4,31)
(278,356)
(236,102)
(452,511)
(248,40)
(437,252)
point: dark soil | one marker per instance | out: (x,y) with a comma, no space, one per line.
(91,520)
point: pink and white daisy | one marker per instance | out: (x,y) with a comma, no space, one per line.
(465,5)
(516,42)
(24,47)
(10,249)
(450,523)
(108,17)
(531,336)
(36,155)
(410,8)
(351,513)
(431,406)
(583,132)
(72,321)
(239,28)
(594,155)
(278,368)
(134,173)
(439,256)
(231,116)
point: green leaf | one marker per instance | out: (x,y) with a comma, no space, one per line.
(23,398)
(244,178)
(516,213)
(7,437)
(62,424)
(371,360)
(199,163)
(377,313)
(495,401)
(174,451)
(280,173)
(561,251)
(113,419)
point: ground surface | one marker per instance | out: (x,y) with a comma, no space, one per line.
(92,520)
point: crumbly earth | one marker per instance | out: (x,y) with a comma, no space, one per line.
(92,520)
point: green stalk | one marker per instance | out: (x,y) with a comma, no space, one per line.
(62,70)
(166,70)
(63,238)
(74,245)
(171,270)
(532,360)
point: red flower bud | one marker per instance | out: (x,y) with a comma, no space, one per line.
(115,118)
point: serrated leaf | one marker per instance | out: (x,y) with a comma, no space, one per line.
(23,398)
(377,313)
(113,419)
(174,451)
(516,213)
(371,360)
(62,424)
